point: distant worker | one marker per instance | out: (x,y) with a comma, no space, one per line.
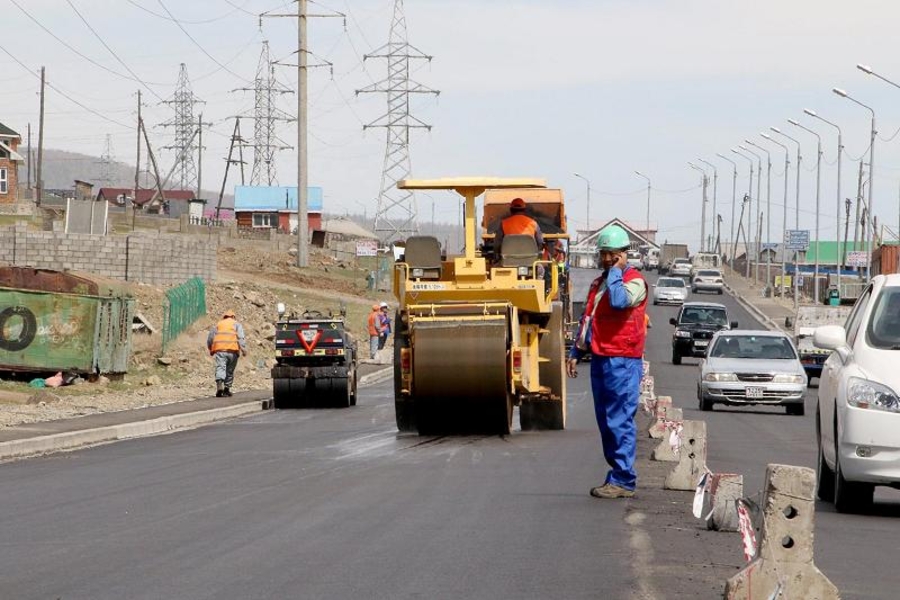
(375,327)
(226,343)
(517,223)
(385,325)
(614,329)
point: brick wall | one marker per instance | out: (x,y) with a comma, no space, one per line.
(153,259)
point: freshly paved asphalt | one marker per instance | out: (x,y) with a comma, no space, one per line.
(336,504)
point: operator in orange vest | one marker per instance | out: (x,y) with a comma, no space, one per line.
(226,343)
(375,326)
(518,223)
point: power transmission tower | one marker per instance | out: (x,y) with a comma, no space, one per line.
(396,216)
(106,163)
(266,114)
(185,125)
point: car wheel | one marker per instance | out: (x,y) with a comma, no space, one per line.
(705,404)
(850,496)
(824,474)
(655,303)
(720,292)
(693,290)
(676,358)
(796,410)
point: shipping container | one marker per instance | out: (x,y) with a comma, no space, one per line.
(56,321)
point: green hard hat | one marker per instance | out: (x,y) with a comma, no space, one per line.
(613,237)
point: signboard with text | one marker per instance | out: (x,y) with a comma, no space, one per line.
(367,248)
(857,258)
(796,239)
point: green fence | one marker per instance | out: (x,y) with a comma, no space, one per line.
(184,304)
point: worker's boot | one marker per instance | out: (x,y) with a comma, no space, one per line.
(227,392)
(220,388)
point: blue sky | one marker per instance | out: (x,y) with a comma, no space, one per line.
(528,88)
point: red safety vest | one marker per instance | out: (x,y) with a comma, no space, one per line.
(519,224)
(618,332)
(225,338)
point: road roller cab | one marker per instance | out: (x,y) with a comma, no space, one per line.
(479,333)
(315,361)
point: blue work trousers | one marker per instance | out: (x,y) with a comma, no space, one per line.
(616,385)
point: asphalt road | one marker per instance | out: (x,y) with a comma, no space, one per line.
(336,504)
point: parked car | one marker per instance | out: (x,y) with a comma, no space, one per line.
(708,280)
(752,367)
(858,410)
(669,290)
(681,267)
(634,259)
(694,328)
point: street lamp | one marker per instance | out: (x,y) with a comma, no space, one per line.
(587,221)
(715,195)
(799,163)
(749,195)
(639,174)
(818,189)
(702,207)
(733,191)
(758,198)
(869,212)
(768,208)
(840,148)
(787,164)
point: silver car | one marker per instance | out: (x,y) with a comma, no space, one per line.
(681,268)
(708,280)
(752,367)
(669,290)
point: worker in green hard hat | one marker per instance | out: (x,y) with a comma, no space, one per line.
(613,330)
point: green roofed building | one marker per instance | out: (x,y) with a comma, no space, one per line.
(828,252)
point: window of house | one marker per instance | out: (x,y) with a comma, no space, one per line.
(3,152)
(265,220)
(4,181)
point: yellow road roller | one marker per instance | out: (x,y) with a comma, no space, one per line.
(481,332)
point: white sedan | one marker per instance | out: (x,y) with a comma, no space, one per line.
(669,290)
(858,413)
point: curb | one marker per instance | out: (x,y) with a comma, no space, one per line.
(378,376)
(88,437)
(763,318)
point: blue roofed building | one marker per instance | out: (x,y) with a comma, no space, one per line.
(275,207)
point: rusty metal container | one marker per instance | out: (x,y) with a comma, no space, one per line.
(56,321)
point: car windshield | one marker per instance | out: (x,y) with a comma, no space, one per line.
(709,274)
(753,346)
(704,315)
(682,261)
(884,325)
(672,282)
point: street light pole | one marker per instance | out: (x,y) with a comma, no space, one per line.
(768,209)
(787,164)
(816,298)
(840,148)
(702,206)
(749,195)
(587,220)
(733,189)
(758,198)
(715,194)
(795,280)
(639,174)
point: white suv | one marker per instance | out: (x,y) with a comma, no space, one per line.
(858,412)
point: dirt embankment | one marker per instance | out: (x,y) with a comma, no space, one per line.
(250,282)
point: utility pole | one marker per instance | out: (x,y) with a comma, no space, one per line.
(843,258)
(859,193)
(39,183)
(137,163)
(235,139)
(182,102)
(302,121)
(29,158)
(703,240)
(200,156)
(159,183)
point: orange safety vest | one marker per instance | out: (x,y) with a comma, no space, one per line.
(519,224)
(374,323)
(225,338)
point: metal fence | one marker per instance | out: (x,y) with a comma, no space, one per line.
(184,304)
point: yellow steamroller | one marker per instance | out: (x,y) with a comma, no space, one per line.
(482,332)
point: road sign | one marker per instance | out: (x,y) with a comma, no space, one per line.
(857,258)
(796,239)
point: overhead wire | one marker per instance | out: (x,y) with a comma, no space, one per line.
(187,22)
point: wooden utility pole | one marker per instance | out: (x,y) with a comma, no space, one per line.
(39,184)
(137,165)
(159,185)
(29,157)
(199,154)
(235,138)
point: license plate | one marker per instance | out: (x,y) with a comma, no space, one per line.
(701,343)
(754,392)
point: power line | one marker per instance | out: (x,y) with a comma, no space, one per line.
(186,22)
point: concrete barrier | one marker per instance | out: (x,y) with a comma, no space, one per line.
(691,458)
(722,490)
(669,445)
(783,566)
(657,429)
(648,394)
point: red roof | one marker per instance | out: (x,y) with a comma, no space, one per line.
(143,195)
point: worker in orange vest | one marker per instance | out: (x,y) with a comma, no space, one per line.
(226,343)
(375,326)
(518,223)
